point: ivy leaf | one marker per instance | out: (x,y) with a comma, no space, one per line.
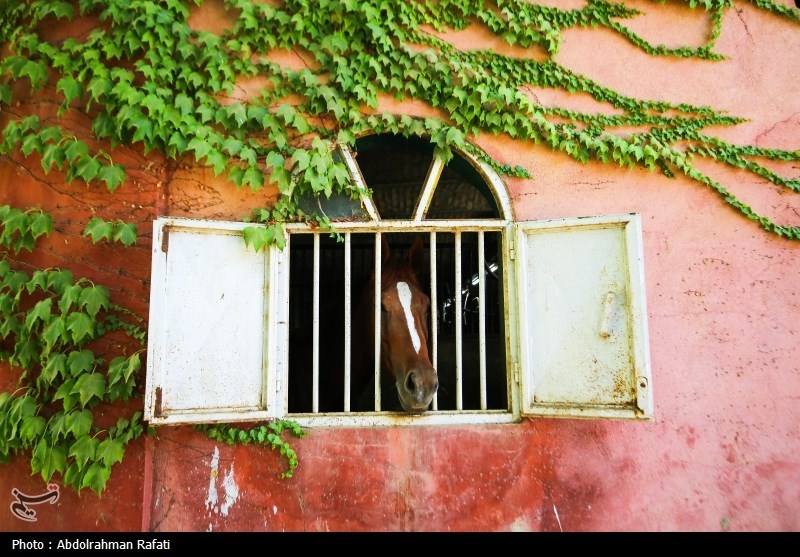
(53,154)
(35,71)
(200,147)
(94,298)
(110,451)
(48,460)
(41,223)
(71,87)
(116,370)
(125,233)
(57,425)
(32,427)
(70,296)
(87,168)
(64,393)
(84,450)
(81,326)
(257,236)
(79,423)
(113,175)
(40,311)
(5,94)
(184,103)
(79,362)
(56,365)
(53,332)
(96,477)
(98,229)
(89,386)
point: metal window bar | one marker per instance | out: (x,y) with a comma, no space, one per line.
(315,368)
(482,318)
(458,321)
(378,257)
(434,315)
(347,320)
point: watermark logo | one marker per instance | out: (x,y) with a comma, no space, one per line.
(20,507)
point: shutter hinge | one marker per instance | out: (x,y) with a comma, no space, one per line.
(165,239)
(511,247)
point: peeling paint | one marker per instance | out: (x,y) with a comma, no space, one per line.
(212,498)
(231,492)
(229,487)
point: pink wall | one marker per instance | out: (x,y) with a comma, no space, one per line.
(723,301)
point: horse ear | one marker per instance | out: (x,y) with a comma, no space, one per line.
(416,254)
(384,249)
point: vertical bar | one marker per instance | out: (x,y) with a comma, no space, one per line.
(377,320)
(347,319)
(482,318)
(315,321)
(434,316)
(458,320)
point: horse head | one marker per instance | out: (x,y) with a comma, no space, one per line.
(404,329)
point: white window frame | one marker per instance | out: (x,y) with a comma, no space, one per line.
(521,385)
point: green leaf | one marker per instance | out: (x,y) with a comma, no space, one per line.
(96,477)
(84,449)
(5,94)
(49,459)
(41,223)
(125,233)
(200,147)
(71,87)
(32,427)
(57,426)
(70,296)
(79,362)
(64,393)
(53,154)
(95,298)
(89,386)
(110,451)
(41,311)
(80,325)
(56,365)
(98,229)
(79,423)
(113,175)
(87,168)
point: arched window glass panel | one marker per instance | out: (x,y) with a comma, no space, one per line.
(462,193)
(394,168)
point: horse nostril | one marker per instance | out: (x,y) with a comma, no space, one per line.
(410,383)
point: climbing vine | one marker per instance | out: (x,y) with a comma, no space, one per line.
(144,77)
(49,328)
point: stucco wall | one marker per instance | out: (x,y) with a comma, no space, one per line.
(724,319)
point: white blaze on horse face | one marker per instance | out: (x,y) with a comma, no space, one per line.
(404,293)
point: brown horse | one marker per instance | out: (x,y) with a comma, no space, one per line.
(406,368)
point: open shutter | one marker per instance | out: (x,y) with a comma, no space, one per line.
(583,328)
(209,333)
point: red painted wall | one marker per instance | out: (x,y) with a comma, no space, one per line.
(723,303)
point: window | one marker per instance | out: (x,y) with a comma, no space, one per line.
(524,319)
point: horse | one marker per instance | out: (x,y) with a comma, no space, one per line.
(405,364)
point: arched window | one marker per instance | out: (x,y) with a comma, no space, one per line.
(538,318)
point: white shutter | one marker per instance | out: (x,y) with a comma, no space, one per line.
(209,342)
(583,329)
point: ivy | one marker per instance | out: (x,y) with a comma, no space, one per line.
(148,78)
(268,434)
(48,324)
(118,231)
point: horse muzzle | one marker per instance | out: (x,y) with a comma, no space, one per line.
(417,388)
